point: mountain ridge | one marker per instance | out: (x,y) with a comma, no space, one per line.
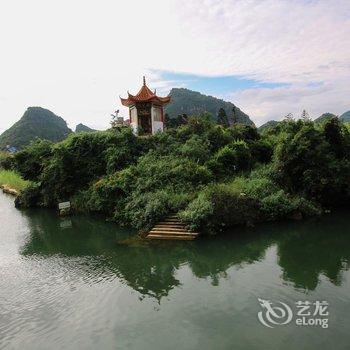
(36,122)
(186,101)
(83,128)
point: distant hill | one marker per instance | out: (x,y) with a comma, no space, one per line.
(36,122)
(83,128)
(268,126)
(345,116)
(185,101)
(324,117)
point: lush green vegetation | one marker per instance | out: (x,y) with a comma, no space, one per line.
(188,102)
(270,125)
(213,176)
(36,122)
(12,180)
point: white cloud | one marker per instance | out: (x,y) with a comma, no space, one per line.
(77,57)
(266,104)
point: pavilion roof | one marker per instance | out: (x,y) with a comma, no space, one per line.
(144,95)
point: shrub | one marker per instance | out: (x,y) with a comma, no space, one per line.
(196,149)
(215,177)
(305,164)
(30,197)
(258,187)
(6,161)
(32,159)
(198,212)
(153,172)
(230,159)
(261,150)
(82,159)
(219,207)
(102,196)
(277,206)
(144,210)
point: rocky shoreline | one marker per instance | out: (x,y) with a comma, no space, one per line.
(9,190)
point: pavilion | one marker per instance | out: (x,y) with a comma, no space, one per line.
(146,110)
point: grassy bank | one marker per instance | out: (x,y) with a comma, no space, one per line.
(12,180)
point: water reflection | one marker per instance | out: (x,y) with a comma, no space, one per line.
(305,251)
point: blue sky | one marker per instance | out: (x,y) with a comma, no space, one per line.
(222,86)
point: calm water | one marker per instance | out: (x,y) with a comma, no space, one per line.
(71,284)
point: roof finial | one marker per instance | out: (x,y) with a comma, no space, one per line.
(144,80)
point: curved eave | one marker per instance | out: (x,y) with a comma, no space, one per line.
(164,100)
(133,99)
(126,102)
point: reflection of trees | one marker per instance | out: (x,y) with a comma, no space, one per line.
(316,247)
(305,250)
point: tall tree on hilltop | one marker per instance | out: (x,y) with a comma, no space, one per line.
(222,118)
(234,116)
(289,117)
(305,116)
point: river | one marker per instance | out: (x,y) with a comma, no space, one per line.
(74,284)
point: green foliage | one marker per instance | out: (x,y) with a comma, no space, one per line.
(243,201)
(31,161)
(262,151)
(36,123)
(257,187)
(232,158)
(338,138)
(143,211)
(13,180)
(198,212)
(215,177)
(222,118)
(267,127)
(70,166)
(180,119)
(277,205)
(315,163)
(218,207)
(6,161)
(30,197)
(153,172)
(196,149)
(146,191)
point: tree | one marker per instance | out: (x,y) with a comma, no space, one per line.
(181,119)
(337,137)
(289,117)
(222,118)
(234,116)
(305,116)
(305,165)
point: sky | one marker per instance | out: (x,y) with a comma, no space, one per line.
(269,58)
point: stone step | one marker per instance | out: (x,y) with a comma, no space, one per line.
(170,237)
(171,228)
(171,233)
(165,221)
